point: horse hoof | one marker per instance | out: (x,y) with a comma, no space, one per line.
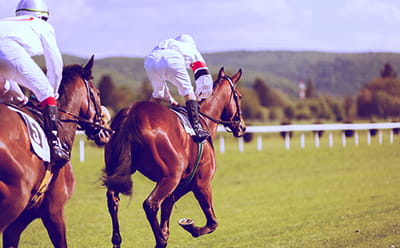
(185,222)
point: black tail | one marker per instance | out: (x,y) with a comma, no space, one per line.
(118,154)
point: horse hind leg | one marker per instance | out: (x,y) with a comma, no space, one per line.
(12,203)
(56,228)
(113,205)
(204,198)
(152,204)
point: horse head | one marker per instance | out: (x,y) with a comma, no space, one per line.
(93,117)
(232,115)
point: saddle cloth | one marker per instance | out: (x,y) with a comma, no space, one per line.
(180,112)
(37,136)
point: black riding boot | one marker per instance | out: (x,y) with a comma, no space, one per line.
(193,113)
(59,155)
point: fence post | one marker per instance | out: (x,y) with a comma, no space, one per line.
(259,143)
(81,149)
(355,137)
(316,139)
(330,136)
(287,140)
(391,136)
(221,144)
(241,144)
(302,141)
(343,139)
(369,137)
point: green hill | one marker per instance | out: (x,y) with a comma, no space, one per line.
(338,74)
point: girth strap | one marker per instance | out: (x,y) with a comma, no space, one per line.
(188,180)
(38,196)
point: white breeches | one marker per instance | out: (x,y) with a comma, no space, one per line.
(167,66)
(16,65)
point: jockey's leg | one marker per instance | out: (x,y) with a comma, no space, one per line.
(59,154)
(24,70)
(193,114)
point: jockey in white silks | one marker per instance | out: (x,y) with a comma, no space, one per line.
(21,37)
(169,61)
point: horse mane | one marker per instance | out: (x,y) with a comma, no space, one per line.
(70,72)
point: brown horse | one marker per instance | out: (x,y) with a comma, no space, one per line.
(21,171)
(150,139)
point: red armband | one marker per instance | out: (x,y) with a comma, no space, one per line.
(199,69)
(198,65)
(49,101)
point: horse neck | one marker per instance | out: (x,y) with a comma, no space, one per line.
(213,107)
(70,102)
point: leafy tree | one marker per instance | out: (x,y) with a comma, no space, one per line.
(112,97)
(380,97)
(251,106)
(302,112)
(262,91)
(349,108)
(310,89)
(106,88)
(290,111)
(145,91)
(122,98)
(388,72)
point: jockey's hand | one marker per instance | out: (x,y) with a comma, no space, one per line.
(173,102)
(204,87)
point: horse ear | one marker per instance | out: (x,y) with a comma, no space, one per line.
(88,68)
(221,72)
(237,76)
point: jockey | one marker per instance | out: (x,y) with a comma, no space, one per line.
(169,61)
(21,37)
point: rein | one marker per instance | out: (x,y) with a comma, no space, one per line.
(236,118)
(79,120)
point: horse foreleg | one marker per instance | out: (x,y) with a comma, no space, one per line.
(54,221)
(113,205)
(204,197)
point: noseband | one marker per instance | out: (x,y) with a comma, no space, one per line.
(238,115)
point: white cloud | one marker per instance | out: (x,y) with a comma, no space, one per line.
(7,8)
(133,27)
(71,11)
(372,10)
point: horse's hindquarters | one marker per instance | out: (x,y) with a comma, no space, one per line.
(20,169)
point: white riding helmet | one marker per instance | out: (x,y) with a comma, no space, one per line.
(185,38)
(36,8)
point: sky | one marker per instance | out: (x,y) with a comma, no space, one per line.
(131,28)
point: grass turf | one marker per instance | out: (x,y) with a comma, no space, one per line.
(340,197)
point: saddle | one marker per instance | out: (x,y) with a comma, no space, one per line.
(39,145)
(182,114)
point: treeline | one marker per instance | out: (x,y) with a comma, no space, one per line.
(378,99)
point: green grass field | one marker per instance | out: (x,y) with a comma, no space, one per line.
(307,198)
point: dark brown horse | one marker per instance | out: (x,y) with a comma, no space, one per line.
(150,139)
(21,171)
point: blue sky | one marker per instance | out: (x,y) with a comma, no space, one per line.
(131,27)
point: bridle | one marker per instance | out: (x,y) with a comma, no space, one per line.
(92,129)
(236,120)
